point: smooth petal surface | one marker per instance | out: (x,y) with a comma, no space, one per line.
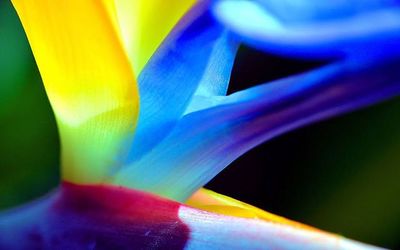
(106,217)
(308,29)
(210,201)
(214,231)
(145,23)
(205,142)
(94,217)
(88,79)
(306,11)
(195,59)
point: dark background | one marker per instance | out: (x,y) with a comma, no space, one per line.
(341,175)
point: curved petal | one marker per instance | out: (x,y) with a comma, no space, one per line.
(210,201)
(209,230)
(213,230)
(305,11)
(145,23)
(205,142)
(94,217)
(88,79)
(107,217)
(261,24)
(197,51)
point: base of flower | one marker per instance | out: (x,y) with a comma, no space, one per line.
(109,217)
(94,217)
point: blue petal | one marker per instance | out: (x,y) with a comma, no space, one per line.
(305,11)
(303,28)
(205,142)
(197,52)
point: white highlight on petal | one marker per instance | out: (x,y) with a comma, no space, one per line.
(259,27)
(256,19)
(214,231)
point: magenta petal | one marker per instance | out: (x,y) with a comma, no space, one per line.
(107,217)
(95,217)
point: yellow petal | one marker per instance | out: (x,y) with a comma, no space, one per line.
(145,23)
(88,79)
(208,200)
(109,6)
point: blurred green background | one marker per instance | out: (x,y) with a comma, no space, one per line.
(340,175)
(28,135)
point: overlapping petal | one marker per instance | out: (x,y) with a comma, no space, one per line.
(211,201)
(214,231)
(194,60)
(145,24)
(188,132)
(308,29)
(88,79)
(95,217)
(205,142)
(107,217)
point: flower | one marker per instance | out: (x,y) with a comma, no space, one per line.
(187,129)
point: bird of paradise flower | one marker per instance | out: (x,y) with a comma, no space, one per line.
(133,155)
